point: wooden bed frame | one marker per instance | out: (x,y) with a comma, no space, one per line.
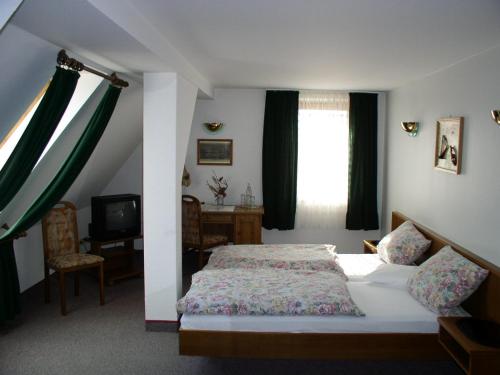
(484,303)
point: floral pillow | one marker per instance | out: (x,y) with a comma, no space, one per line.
(445,280)
(404,245)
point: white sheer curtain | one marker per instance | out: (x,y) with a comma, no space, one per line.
(322,166)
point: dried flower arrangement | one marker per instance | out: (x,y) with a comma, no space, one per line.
(218,187)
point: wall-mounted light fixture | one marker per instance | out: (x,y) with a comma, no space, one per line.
(213,126)
(495,115)
(410,127)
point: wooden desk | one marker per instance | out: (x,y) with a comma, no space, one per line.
(241,225)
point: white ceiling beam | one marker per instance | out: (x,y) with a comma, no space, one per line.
(136,25)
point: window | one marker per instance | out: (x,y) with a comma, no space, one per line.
(9,142)
(322,166)
(87,84)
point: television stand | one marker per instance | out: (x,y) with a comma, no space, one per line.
(120,261)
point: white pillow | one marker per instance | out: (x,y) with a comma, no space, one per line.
(391,275)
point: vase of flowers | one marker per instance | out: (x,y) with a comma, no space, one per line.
(218,188)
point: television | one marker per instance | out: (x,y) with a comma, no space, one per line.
(115,216)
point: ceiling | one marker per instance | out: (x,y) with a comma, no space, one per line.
(322,44)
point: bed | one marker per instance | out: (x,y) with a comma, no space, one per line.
(409,333)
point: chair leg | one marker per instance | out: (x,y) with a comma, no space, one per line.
(62,291)
(77,283)
(47,283)
(101,283)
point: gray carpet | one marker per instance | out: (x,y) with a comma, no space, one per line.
(112,340)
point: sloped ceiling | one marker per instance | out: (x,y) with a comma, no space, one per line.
(325,44)
(26,63)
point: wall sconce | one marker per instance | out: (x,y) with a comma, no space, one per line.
(213,126)
(495,115)
(410,127)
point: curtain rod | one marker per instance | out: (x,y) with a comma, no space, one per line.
(65,60)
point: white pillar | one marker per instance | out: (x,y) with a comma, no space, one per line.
(168,112)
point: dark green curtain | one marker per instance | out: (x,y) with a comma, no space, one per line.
(37,134)
(71,167)
(9,283)
(362,198)
(279,159)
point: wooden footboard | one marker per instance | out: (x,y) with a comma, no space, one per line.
(310,345)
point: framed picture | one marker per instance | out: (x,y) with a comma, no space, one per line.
(448,153)
(215,152)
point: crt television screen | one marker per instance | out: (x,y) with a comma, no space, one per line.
(121,215)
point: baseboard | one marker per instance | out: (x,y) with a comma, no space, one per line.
(162,325)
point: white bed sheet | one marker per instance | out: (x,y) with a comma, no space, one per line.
(388,310)
(356,266)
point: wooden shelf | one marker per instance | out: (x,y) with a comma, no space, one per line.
(116,251)
(109,242)
(473,358)
(121,261)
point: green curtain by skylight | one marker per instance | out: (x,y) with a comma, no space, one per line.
(362,196)
(279,159)
(72,166)
(9,283)
(37,134)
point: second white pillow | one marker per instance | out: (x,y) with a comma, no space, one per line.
(391,275)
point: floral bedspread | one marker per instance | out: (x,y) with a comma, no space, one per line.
(267,292)
(290,257)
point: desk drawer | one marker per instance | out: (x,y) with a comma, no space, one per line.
(217,218)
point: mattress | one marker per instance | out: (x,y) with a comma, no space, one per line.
(388,310)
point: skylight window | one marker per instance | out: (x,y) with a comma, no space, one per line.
(87,84)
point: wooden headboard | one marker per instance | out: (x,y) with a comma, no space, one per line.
(485,302)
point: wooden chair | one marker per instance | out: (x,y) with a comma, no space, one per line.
(61,248)
(192,229)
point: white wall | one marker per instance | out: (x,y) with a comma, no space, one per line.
(242,112)
(463,208)
(128,178)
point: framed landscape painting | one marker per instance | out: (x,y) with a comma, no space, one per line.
(448,152)
(215,151)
